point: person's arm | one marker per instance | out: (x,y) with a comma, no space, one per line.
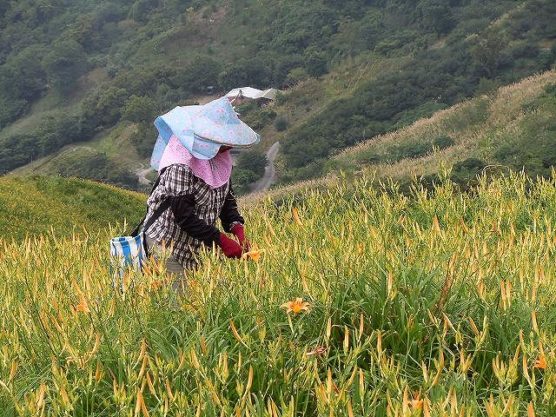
(232,221)
(178,184)
(229,216)
(182,207)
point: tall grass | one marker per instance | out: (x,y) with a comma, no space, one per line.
(438,304)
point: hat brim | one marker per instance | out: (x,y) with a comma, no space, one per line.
(237,134)
(190,126)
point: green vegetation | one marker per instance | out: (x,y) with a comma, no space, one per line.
(437,304)
(85,163)
(38,206)
(513,129)
(355,68)
(250,167)
(474,54)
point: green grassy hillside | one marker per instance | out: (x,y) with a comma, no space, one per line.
(360,302)
(39,205)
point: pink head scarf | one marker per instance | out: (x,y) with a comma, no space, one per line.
(215,172)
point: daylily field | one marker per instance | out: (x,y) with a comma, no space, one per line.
(356,301)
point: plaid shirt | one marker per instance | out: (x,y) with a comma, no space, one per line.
(178,181)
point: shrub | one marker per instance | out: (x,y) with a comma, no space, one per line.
(443,142)
(139,109)
(259,118)
(250,166)
(296,75)
(410,150)
(65,62)
(280,123)
(144,138)
(465,171)
(95,165)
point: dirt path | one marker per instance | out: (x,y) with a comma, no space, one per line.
(142,174)
(269,172)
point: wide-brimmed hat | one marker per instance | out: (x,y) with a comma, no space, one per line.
(202,130)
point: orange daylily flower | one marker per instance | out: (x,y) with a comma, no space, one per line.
(416,403)
(156,285)
(83,306)
(296,306)
(540,363)
(254,255)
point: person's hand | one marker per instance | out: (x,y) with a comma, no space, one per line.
(239,231)
(229,246)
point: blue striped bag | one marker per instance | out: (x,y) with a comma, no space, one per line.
(129,253)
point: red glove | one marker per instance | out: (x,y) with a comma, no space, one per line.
(239,231)
(229,246)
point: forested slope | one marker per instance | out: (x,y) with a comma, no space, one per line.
(73,70)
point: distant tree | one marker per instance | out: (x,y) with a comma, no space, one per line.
(11,109)
(64,64)
(244,72)
(280,123)
(144,138)
(4,6)
(296,75)
(487,52)
(139,109)
(103,108)
(436,16)
(284,64)
(200,73)
(95,165)
(315,62)
(109,12)
(21,77)
(141,9)
(252,160)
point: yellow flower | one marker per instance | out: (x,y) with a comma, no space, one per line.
(254,255)
(157,284)
(296,306)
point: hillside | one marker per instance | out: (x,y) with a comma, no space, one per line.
(40,205)
(511,129)
(361,302)
(351,70)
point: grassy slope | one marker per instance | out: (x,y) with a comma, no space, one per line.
(479,127)
(32,206)
(439,305)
